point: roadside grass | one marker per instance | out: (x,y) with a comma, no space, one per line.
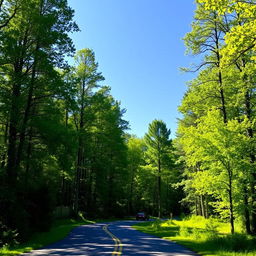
(59,230)
(204,236)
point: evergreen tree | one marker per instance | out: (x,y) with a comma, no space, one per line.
(158,146)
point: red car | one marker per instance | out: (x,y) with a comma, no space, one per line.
(142,216)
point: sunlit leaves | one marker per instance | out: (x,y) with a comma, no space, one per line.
(241,37)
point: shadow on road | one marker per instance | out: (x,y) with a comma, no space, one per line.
(93,240)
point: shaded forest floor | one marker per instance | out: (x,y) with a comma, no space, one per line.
(206,237)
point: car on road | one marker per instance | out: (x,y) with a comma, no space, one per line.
(142,216)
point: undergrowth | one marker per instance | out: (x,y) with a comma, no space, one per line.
(205,236)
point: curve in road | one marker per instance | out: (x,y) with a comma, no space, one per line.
(115,238)
(118,244)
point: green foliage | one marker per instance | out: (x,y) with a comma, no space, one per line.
(62,133)
(202,235)
(157,141)
(159,156)
(184,231)
(157,224)
(149,159)
(216,133)
(7,236)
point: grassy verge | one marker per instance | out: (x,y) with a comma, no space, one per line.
(207,237)
(59,230)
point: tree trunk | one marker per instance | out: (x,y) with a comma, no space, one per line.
(110,195)
(12,138)
(199,208)
(159,190)
(206,208)
(252,160)
(202,205)
(230,194)
(80,153)
(231,214)
(246,211)
(196,206)
(220,80)
(27,112)
(78,178)
(253,214)
(4,155)
(131,192)
(29,151)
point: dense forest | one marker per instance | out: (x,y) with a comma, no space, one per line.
(65,148)
(216,135)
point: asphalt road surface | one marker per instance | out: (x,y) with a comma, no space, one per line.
(115,238)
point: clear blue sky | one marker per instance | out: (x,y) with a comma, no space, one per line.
(138,45)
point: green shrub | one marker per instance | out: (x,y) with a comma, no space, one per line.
(197,233)
(170,222)
(7,236)
(184,231)
(211,231)
(157,225)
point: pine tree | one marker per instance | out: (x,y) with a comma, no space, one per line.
(158,146)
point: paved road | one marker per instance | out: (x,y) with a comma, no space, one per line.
(115,238)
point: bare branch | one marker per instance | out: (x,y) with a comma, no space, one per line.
(1,4)
(9,19)
(200,66)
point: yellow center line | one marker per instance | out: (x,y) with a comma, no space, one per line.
(118,245)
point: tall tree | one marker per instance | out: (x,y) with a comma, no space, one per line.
(229,81)
(158,147)
(34,44)
(88,78)
(135,158)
